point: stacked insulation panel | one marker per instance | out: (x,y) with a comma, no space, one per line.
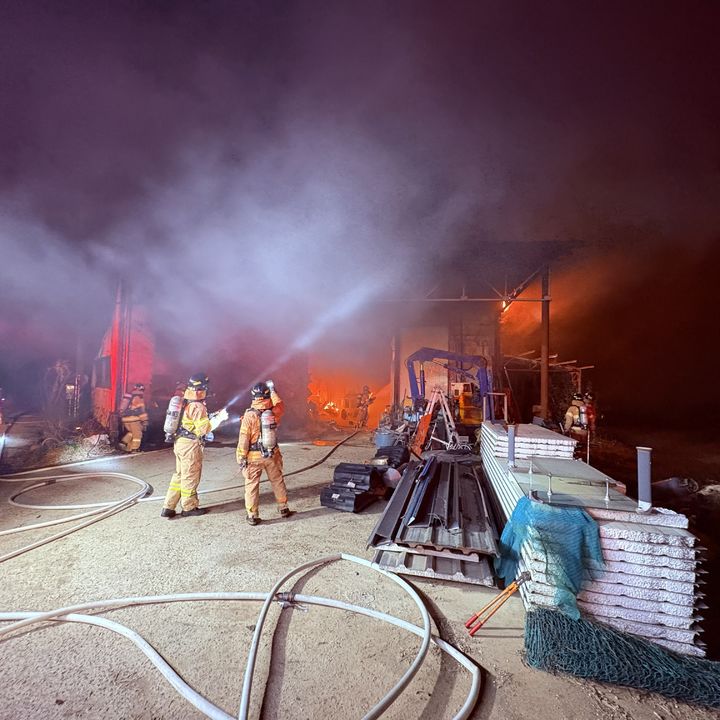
(649,584)
(530,441)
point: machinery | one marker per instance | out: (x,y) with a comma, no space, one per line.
(468,395)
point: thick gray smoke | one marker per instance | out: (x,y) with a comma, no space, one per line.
(233,192)
(270,168)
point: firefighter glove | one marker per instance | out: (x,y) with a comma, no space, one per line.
(218,417)
(270,384)
(242,462)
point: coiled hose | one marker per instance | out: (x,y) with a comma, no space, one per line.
(70,614)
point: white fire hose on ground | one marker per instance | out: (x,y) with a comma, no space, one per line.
(70,614)
(100,510)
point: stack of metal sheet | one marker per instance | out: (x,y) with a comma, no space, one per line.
(530,441)
(650,583)
(437,523)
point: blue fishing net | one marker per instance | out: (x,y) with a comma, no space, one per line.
(564,539)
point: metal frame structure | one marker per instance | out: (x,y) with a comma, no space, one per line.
(506,299)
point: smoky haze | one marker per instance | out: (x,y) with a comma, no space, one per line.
(270,168)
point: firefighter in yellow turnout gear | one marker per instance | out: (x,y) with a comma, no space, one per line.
(257,450)
(194,426)
(134,418)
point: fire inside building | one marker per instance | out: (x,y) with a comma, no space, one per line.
(355,360)
(417,346)
(465,464)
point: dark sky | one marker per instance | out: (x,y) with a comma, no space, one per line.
(245,160)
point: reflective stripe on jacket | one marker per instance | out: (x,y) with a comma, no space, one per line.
(195,418)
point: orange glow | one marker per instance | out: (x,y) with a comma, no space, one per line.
(341,387)
(577,284)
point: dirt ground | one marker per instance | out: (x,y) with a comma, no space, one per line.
(325,663)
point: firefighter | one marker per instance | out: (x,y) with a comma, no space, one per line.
(134,418)
(257,450)
(576,421)
(363,403)
(194,425)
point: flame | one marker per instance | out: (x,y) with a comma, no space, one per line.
(334,392)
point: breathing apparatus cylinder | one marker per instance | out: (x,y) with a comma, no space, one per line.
(268,431)
(172,416)
(582,416)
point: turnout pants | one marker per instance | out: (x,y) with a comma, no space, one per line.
(186,478)
(133,434)
(273,466)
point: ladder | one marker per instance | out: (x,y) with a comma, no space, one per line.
(438,398)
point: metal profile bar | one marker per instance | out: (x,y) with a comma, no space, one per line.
(418,495)
(439,506)
(454,525)
(388,523)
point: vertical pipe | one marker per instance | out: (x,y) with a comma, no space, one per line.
(127,330)
(511,445)
(545,346)
(587,450)
(115,341)
(395,368)
(644,462)
(496,355)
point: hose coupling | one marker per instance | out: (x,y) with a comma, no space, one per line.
(287,600)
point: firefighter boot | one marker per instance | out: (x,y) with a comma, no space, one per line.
(168,513)
(194,512)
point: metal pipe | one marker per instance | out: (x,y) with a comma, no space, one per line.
(511,446)
(545,346)
(587,449)
(644,463)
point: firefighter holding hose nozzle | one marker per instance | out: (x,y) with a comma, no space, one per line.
(191,427)
(258,450)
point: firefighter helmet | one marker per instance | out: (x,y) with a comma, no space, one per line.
(198,381)
(260,390)
(577,396)
(138,388)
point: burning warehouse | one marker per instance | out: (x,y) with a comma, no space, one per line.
(330,334)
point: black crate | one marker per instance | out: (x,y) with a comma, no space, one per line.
(346,499)
(357,477)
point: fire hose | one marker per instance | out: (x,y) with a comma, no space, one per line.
(70,614)
(100,510)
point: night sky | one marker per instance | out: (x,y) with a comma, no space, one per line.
(231,156)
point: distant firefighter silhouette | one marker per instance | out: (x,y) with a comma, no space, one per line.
(134,418)
(363,404)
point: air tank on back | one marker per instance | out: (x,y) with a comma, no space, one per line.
(172,417)
(268,430)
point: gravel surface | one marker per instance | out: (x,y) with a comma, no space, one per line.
(325,663)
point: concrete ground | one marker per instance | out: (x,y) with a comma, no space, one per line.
(325,663)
